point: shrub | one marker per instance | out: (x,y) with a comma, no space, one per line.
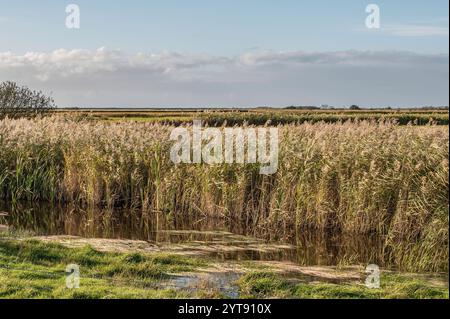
(19,101)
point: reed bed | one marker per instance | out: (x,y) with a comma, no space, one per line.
(358,177)
(276,117)
(293,117)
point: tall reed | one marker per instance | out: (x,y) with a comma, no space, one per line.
(346,178)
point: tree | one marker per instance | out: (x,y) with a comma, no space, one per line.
(20,101)
(355,107)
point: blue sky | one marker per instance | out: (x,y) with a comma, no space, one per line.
(210,39)
(219,27)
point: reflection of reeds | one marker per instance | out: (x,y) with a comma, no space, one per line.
(359,178)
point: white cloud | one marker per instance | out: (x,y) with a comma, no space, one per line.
(352,57)
(115,78)
(68,63)
(416,30)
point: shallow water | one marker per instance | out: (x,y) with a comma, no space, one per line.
(212,237)
(224,283)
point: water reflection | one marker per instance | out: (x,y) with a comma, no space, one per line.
(213,237)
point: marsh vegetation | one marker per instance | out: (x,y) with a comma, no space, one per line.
(374,179)
(33,269)
(261,116)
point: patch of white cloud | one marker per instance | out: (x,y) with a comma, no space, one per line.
(352,57)
(66,63)
(104,78)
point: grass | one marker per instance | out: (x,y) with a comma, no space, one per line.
(33,270)
(263,284)
(347,178)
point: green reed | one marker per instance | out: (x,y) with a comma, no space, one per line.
(358,177)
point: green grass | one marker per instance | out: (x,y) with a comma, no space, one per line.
(33,269)
(263,284)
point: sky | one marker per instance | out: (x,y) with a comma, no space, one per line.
(234,53)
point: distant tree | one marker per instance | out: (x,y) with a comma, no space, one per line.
(355,107)
(302,107)
(20,101)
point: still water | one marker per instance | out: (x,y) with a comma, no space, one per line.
(213,237)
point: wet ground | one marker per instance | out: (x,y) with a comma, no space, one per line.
(307,259)
(214,238)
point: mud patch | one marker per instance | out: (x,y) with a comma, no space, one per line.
(227,247)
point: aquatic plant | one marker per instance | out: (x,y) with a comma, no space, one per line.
(358,177)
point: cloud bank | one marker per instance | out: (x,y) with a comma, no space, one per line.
(417,30)
(112,78)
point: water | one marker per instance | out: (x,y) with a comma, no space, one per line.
(222,282)
(211,237)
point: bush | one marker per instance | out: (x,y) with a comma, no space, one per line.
(19,101)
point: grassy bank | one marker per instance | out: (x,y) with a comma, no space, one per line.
(270,285)
(343,178)
(33,269)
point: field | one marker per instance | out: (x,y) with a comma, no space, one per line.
(261,116)
(342,175)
